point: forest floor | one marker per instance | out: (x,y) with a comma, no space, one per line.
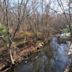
(20,52)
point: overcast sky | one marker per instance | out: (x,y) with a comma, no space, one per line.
(54,4)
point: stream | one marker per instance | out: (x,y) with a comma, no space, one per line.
(58,63)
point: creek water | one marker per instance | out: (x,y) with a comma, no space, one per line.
(59,61)
(61,58)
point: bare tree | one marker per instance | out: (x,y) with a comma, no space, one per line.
(19,17)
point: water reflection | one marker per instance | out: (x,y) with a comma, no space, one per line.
(60,52)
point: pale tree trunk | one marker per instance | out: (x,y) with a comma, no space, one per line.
(11,57)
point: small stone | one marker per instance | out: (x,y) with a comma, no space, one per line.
(25,61)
